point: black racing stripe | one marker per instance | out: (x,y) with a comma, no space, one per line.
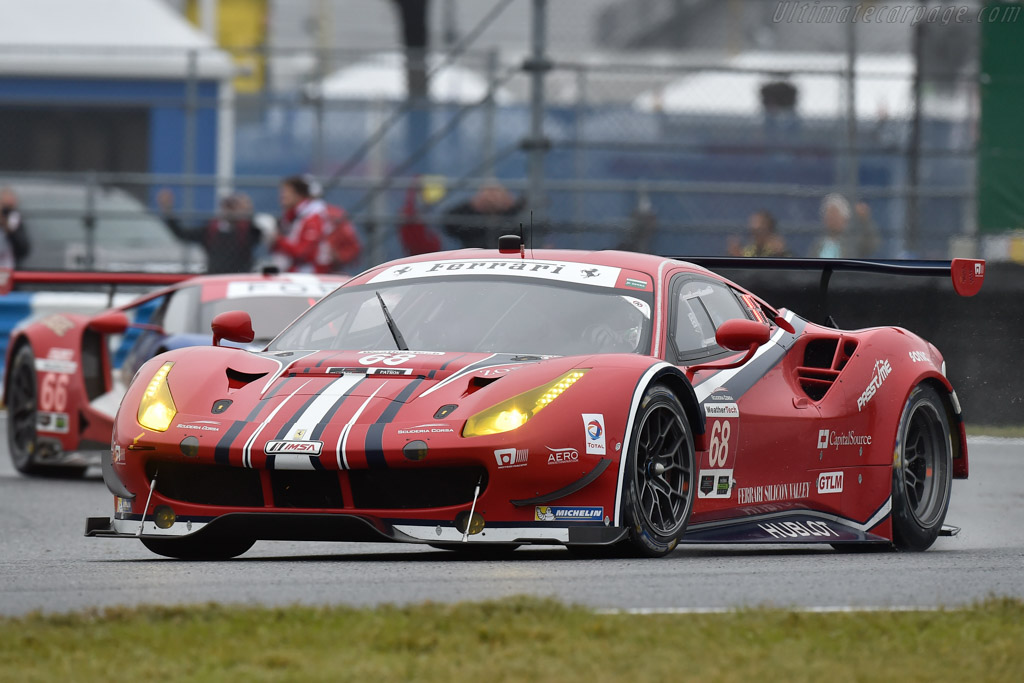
(314,460)
(329,415)
(444,367)
(270,461)
(282,433)
(222,451)
(752,372)
(326,358)
(375,434)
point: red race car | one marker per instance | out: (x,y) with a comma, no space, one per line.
(66,373)
(486,399)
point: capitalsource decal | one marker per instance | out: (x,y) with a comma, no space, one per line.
(882,370)
(769,493)
(511,457)
(552,513)
(562,456)
(593,427)
(306,447)
(828,437)
(715,484)
(830,482)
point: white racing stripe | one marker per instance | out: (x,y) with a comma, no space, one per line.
(247,450)
(472,367)
(342,447)
(302,428)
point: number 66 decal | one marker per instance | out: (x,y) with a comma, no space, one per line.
(53,392)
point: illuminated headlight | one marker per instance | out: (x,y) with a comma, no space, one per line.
(156,409)
(514,412)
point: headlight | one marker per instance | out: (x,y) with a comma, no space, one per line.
(514,412)
(156,409)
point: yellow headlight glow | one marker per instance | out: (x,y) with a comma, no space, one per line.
(514,412)
(156,409)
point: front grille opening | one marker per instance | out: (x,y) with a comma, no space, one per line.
(305,489)
(207,484)
(414,488)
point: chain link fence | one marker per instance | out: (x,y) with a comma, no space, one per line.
(662,151)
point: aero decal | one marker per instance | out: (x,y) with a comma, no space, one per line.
(341,448)
(222,452)
(472,367)
(247,449)
(638,393)
(375,432)
(308,419)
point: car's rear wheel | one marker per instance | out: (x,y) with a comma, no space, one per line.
(922,476)
(22,408)
(660,467)
(199,547)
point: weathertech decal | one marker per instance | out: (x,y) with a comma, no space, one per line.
(304,447)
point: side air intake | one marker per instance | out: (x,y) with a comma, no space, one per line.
(824,358)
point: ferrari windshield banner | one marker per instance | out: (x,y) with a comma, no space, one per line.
(579,273)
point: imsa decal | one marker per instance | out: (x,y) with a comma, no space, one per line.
(303,447)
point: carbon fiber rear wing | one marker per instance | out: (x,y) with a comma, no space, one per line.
(967,275)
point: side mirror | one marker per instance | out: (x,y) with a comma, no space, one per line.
(111,322)
(740,335)
(234,326)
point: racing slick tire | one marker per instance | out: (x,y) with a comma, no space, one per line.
(659,474)
(199,548)
(922,473)
(22,407)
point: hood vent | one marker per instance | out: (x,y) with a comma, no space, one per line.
(238,379)
(824,358)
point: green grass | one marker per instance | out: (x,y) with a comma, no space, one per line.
(518,639)
(1006,431)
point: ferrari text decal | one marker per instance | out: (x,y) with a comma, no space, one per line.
(715,484)
(599,276)
(797,529)
(830,482)
(511,457)
(772,492)
(882,370)
(593,433)
(568,514)
(312,288)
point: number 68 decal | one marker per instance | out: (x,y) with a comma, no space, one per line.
(723,423)
(53,392)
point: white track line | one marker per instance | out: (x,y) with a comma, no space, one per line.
(651,611)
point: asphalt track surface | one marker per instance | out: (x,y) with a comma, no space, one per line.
(46,564)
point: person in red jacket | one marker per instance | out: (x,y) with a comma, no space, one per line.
(301,245)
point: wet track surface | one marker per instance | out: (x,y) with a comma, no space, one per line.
(46,564)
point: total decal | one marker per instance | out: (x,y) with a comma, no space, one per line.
(830,482)
(511,457)
(882,370)
(770,493)
(593,428)
(554,513)
(828,437)
(562,456)
(715,484)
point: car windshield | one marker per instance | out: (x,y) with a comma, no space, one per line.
(270,314)
(478,314)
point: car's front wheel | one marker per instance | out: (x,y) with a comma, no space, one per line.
(922,476)
(199,547)
(660,468)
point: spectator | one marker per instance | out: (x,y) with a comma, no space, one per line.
(228,239)
(301,245)
(837,241)
(764,238)
(489,214)
(14,246)
(417,237)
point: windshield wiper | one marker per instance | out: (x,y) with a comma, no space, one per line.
(395,333)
